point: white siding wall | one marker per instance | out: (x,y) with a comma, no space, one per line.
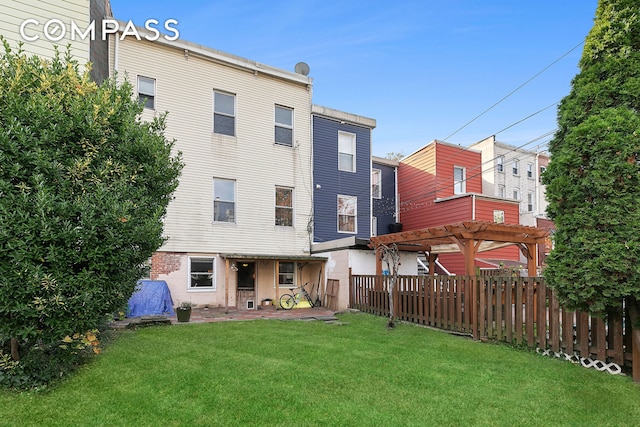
(184,88)
(14,12)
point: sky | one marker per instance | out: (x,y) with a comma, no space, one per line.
(453,70)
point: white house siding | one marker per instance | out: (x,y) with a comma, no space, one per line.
(184,88)
(14,12)
(185,81)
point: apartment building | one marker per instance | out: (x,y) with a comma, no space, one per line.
(41,25)
(238,231)
(514,173)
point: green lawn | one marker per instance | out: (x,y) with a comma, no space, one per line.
(295,373)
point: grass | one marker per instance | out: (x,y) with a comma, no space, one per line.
(294,373)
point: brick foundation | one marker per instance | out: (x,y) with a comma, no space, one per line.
(163,263)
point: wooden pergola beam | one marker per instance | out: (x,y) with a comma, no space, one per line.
(468,237)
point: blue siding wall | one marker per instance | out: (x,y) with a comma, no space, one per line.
(333,182)
(385,208)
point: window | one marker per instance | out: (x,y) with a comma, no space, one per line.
(459,180)
(516,194)
(147,92)
(284,126)
(284,206)
(201,273)
(224,200)
(498,217)
(224,113)
(501,191)
(347,211)
(529,171)
(542,170)
(530,202)
(500,163)
(346,152)
(516,164)
(376,183)
(286,278)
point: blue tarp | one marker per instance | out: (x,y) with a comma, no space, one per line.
(151,297)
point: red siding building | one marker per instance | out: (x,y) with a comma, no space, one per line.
(441,184)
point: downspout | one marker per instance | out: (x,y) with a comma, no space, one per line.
(116,52)
(396,214)
(473,207)
(536,211)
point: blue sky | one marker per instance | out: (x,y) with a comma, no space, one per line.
(422,69)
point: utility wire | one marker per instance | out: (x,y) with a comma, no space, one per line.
(515,90)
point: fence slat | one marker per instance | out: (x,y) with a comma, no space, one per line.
(511,309)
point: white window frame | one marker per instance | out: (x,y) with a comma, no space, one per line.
(281,125)
(542,170)
(211,274)
(516,167)
(145,96)
(224,113)
(376,183)
(231,218)
(530,171)
(516,194)
(281,275)
(500,164)
(498,216)
(459,185)
(347,150)
(280,207)
(530,202)
(350,202)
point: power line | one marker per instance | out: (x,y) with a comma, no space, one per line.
(515,90)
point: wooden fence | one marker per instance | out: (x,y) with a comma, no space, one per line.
(516,310)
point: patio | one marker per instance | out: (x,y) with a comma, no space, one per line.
(207,315)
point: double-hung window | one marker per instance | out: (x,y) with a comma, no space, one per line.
(284,125)
(516,165)
(530,170)
(529,202)
(284,206)
(500,163)
(346,152)
(147,92)
(201,273)
(459,180)
(376,183)
(516,194)
(224,200)
(286,276)
(542,170)
(347,214)
(224,113)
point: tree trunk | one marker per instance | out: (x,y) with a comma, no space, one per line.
(15,355)
(634,314)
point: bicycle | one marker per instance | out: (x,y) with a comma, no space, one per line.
(288,301)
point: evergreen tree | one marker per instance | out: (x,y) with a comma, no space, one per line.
(84,185)
(593,179)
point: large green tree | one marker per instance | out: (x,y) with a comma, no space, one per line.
(84,186)
(593,180)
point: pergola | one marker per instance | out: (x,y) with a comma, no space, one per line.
(468,238)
